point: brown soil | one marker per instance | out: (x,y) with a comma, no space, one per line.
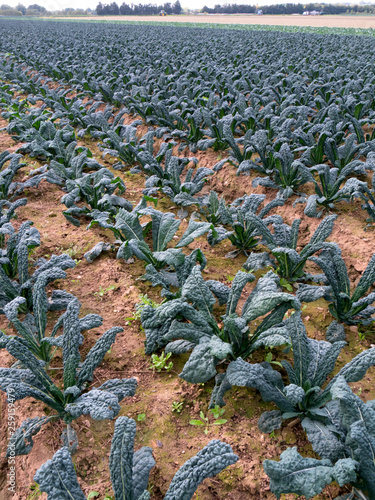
(292,20)
(6,141)
(169,434)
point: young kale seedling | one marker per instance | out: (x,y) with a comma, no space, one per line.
(216,412)
(159,363)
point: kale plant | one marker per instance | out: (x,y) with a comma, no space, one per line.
(238,217)
(214,132)
(130,470)
(289,263)
(15,249)
(97,190)
(354,188)
(179,267)
(179,191)
(15,279)
(7,174)
(132,234)
(308,476)
(49,142)
(189,130)
(73,167)
(214,210)
(13,108)
(260,145)
(329,190)
(347,154)
(71,400)
(124,144)
(7,213)
(304,396)
(188,323)
(21,126)
(346,306)
(344,437)
(151,163)
(239,157)
(313,147)
(34,327)
(168,178)
(287,173)
(103,124)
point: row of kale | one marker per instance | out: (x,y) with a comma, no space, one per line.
(118,64)
(287,157)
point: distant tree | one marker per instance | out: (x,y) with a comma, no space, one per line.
(32,12)
(99,9)
(176,8)
(37,7)
(125,10)
(113,9)
(9,12)
(167,7)
(286,8)
(21,8)
(78,12)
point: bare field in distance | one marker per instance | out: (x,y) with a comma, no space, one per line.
(297,20)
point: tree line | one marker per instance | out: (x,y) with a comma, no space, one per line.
(36,10)
(290,8)
(21,10)
(137,10)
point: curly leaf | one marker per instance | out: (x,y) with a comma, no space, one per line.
(324,442)
(270,421)
(268,382)
(214,457)
(257,261)
(99,404)
(366,280)
(306,476)
(143,462)
(197,292)
(365,455)
(21,441)
(239,282)
(121,458)
(194,230)
(72,339)
(200,367)
(58,479)
(164,227)
(96,354)
(122,388)
(221,387)
(355,370)
(96,250)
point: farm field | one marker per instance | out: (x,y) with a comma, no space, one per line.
(210,195)
(361,22)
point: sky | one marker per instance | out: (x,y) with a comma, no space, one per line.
(53,5)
